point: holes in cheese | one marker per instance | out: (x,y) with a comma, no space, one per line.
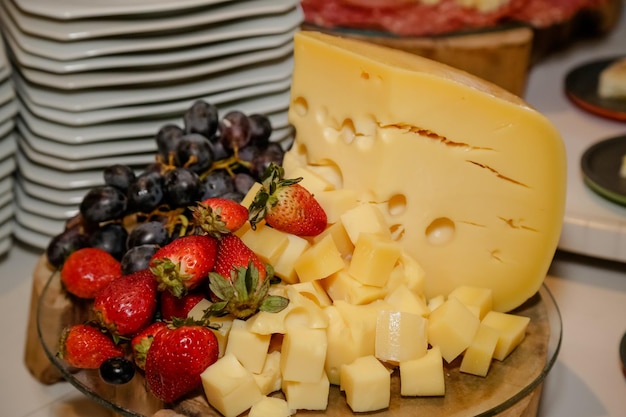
(471,178)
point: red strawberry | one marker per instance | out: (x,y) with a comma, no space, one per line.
(176,359)
(286,205)
(128,303)
(240,282)
(86,271)
(232,252)
(184,263)
(86,346)
(218,216)
(141,342)
(172,306)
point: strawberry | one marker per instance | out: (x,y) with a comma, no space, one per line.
(218,216)
(184,263)
(85,346)
(127,304)
(177,357)
(141,342)
(240,281)
(232,252)
(86,271)
(172,306)
(286,205)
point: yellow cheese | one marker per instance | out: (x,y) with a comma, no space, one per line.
(400,336)
(343,286)
(511,328)
(479,354)
(340,237)
(423,376)
(249,197)
(284,264)
(367,384)
(342,349)
(407,272)
(403,299)
(307,395)
(271,406)
(361,319)
(309,266)
(472,179)
(270,378)
(301,311)
(248,347)
(314,291)
(268,243)
(373,259)
(303,354)
(364,218)
(336,202)
(229,387)
(481,298)
(452,327)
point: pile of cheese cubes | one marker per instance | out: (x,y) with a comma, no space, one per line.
(357,313)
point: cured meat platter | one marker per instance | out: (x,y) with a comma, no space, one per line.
(500,51)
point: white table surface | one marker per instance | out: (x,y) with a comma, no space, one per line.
(586,380)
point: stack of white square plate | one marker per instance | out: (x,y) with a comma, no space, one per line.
(8,109)
(95,81)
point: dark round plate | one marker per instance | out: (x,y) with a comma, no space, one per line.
(601,164)
(581,87)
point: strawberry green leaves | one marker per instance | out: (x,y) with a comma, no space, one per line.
(243,295)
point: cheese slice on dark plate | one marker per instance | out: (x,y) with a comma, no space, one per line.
(471,175)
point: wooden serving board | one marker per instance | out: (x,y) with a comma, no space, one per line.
(465,394)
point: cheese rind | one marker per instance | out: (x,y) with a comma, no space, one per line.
(471,179)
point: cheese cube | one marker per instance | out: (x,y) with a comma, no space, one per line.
(435,302)
(341,238)
(423,376)
(361,319)
(271,406)
(367,384)
(314,291)
(229,387)
(307,395)
(248,347)
(407,272)
(337,202)
(403,299)
(479,201)
(364,218)
(512,330)
(400,336)
(303,354)
(311,180)
(481,298)
(319,261)
(342,349)
(301,311)
(452,327)
(267,242)
(284,264)
(479,354)
(343,286)
(252,192)
(373,259)
(270,378)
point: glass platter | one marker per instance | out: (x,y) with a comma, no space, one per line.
(510,385)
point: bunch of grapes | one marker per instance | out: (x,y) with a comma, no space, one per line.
(134,213)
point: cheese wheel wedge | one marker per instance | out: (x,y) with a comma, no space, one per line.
(471,178)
